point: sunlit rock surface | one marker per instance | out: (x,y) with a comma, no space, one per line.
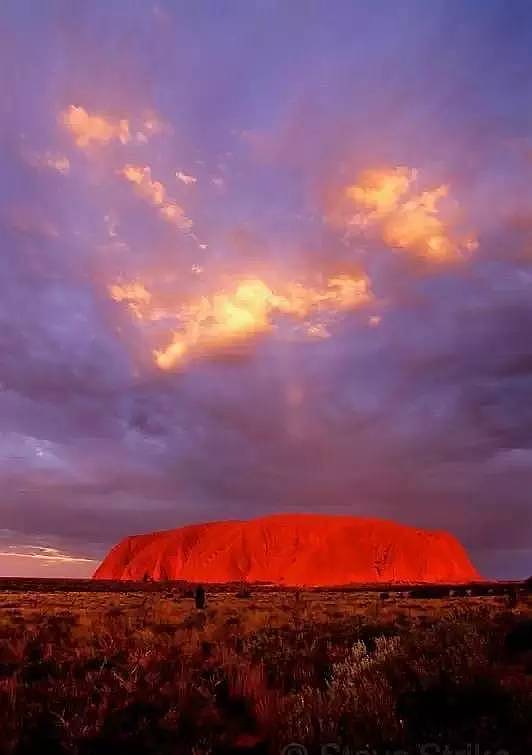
(292,549)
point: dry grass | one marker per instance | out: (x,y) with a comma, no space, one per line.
(145,672)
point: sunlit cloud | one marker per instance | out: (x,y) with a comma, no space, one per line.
(151,190)
(150,127)
(390,203)
(155,193)
(226,318)
(318,330)
(50,160)
(186,178)
(210,324)
(87,128)
(134,294)
(174,213)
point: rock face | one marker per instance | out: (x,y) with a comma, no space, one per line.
(291,549)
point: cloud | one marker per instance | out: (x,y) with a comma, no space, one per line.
(50,160)
(43,554)
(87,128)
(211,324)
(18,558)
(174,213)
(154,192)
(134,294)
(389,202)
(29,221)
(186,178)
(151,126)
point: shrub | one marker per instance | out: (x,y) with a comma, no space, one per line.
(519,638)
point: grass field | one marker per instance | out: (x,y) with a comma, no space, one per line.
(143,671)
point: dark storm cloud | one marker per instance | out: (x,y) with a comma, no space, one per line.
(421,414)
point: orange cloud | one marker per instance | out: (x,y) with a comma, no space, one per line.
(407,219)
(87,128)
(210,324)
(155,193)
(134,294)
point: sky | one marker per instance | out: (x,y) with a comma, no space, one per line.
(264,256)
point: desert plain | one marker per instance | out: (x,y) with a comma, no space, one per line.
(101,667)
